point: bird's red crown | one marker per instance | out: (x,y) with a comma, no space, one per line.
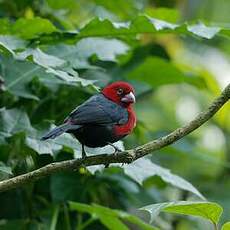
(120,92)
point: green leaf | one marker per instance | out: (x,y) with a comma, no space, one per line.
(63,186)
(157,71)
(14,121)
(12,43)
(204,31)
(60,4)
(112,223)
(4,26)
(143,168)
(110,217)
(50,146)
(144,24)
(32,27)
(105,49)
(106,28)
(226,226)
(78,55)
(18,78)
(5,169)
(207,210)
(41,58)
(129,7)
(51,62)
(166,14)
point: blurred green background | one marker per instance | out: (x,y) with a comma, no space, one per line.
(54,54)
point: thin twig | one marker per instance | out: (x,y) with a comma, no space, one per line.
(127,156)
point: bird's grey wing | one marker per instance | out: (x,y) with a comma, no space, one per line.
(98,110)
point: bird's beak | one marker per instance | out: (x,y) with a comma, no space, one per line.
(129,98)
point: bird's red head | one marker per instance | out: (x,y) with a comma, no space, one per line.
(120,92)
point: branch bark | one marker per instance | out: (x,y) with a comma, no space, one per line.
(127,156)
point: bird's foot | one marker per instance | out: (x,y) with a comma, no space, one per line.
(83,153)
(117,150)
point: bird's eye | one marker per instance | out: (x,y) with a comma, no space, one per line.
(120,91)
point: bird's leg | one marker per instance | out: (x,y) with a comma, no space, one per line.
(117,150)
(83,152)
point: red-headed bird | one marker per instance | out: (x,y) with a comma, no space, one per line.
(103,119)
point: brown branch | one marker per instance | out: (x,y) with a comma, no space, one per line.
(123,157)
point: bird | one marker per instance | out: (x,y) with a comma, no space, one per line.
(103,119)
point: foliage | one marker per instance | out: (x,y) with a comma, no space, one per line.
(56,54)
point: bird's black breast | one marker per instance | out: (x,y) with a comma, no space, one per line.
(95,135)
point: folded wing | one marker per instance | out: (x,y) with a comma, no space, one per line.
(98,110)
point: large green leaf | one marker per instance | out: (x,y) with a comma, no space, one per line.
(12,43)
(104,27)
(129,7)
(77,55)
(18,78)
(204,31)
(4,26)
(5,169)
(143,168)
(41,58)
(14,121)
(166,14)
(51,63)
(208,210)
(226,226)
(157,71)
(109,217)
(32,27)
(146,24)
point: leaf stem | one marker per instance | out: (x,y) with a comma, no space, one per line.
(87,223)
(55,217)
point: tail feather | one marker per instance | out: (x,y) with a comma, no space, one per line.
(59,130)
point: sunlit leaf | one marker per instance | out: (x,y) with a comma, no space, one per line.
(203,30)
(226,226)
(144,24)
(41,58)
(110,217)
(12,43)
(166,14)
(32,27)
(207,210)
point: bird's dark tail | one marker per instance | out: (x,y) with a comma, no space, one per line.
(59,130)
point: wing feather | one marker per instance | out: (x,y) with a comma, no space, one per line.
(98,110)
